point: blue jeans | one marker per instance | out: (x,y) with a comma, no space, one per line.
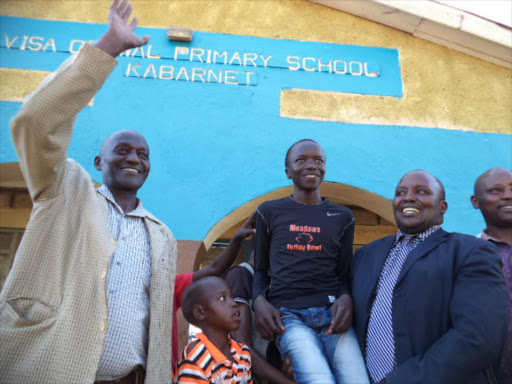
(316,357)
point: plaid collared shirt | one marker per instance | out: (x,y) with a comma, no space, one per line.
(505,367)
(128,284)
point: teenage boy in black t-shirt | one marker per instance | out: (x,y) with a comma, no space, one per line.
(303,252)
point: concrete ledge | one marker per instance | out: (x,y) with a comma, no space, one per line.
(17,84)
(14,218)
(382,110)
(11,176)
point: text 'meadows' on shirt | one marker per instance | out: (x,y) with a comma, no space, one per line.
(303,252)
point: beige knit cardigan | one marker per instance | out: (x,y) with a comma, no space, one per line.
(53,306)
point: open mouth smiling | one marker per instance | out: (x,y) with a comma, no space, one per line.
(131,170)
(506,208)
(409,211)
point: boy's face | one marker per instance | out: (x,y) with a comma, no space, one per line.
(221,310)
(306,165)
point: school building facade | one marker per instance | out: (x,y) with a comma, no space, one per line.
(385,88)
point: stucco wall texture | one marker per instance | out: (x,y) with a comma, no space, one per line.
(442,88)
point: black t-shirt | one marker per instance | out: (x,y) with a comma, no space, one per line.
(239,278)
(302,253)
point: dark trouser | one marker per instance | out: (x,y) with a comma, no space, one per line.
(134,377)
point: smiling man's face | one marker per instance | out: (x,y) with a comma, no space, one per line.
(306,165)
(493,196)
(418,203)
(124,161)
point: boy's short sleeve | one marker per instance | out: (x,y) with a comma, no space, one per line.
(240,282)
(189,371)
(183,280)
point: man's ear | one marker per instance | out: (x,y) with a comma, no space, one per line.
(474,201)
(199,312)
(444,206)
(97,163)
(287,174)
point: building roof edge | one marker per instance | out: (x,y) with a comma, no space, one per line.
(439,23)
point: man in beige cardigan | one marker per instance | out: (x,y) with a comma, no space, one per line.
(90,294)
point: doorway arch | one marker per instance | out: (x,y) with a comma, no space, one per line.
(374,214)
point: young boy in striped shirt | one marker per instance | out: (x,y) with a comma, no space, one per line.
(216,358)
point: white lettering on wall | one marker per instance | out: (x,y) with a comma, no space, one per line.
(195,74)
(339,67)
(202,55)
(31,43)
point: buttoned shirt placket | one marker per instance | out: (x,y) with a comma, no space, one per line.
(128,284)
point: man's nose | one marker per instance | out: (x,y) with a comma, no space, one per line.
(410,195)
(132,157)
(508,194)
(311,164)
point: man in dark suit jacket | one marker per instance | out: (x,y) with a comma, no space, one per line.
(493,197)
(429,305)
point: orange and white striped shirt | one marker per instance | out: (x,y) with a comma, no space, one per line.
(203,363)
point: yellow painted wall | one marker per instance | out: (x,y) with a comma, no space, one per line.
(443,88)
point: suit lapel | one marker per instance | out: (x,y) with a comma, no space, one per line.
(381,257)
(378,261)
(421,250)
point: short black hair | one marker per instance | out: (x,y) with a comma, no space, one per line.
(477,189)
(197,293)
(442,190)
(293,145)
(194,294)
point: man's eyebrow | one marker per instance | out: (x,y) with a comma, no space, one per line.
(122,144)
(415,186)
(128,144)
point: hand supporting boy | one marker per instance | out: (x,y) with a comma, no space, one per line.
(268,319)
(341,311)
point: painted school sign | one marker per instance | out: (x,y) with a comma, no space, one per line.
(216,58)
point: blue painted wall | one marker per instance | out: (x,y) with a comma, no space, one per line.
(214,147)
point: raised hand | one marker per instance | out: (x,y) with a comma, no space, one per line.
(120,36)
(247,229)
